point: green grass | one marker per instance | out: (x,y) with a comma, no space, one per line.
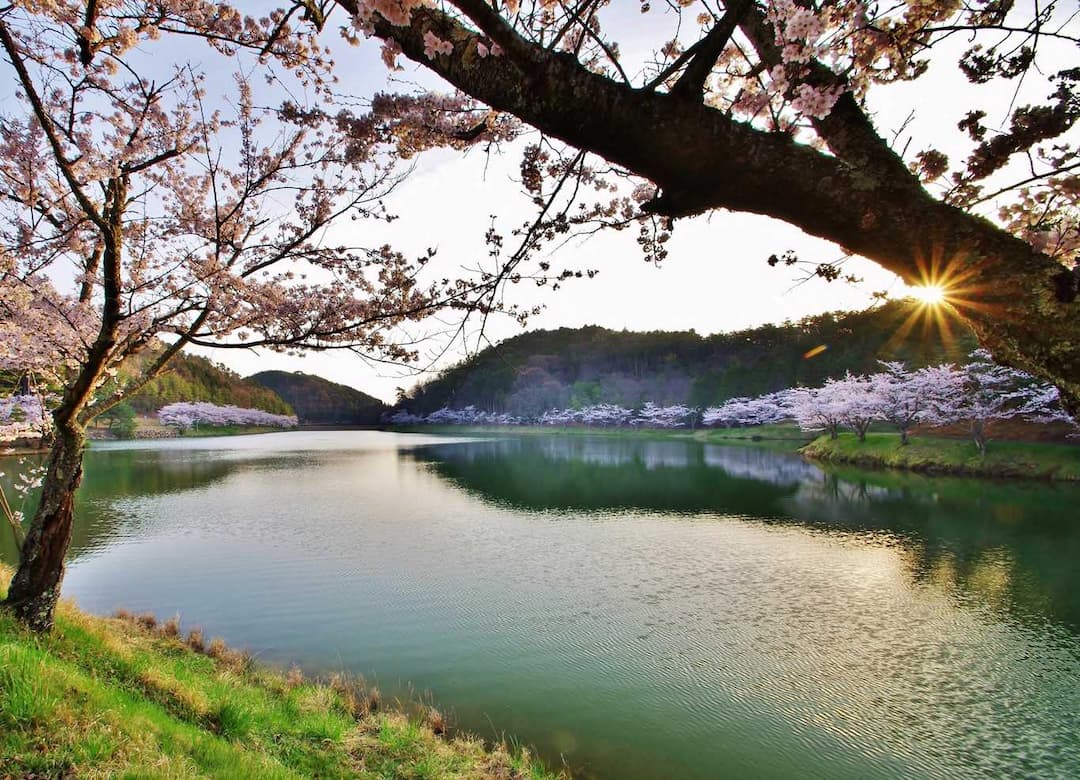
(124,697)
(938,455)
(788,437)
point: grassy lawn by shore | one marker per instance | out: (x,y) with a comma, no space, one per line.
(939,455)
(127,697)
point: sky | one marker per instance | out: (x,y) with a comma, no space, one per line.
(715,278)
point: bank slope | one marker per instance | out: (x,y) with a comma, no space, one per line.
(939,455)
(114,697)
(319,401)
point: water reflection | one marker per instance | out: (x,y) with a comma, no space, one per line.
(1012,545)
(112,476)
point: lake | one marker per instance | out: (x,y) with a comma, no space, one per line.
(635,609)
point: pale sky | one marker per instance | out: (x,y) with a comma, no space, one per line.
(715,279)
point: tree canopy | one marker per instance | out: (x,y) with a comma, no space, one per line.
(766,106)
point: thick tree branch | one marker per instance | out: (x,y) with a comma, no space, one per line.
(520,51)
(863,198)
(691,84)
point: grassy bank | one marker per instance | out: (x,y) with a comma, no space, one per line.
(937,455)
(127,697)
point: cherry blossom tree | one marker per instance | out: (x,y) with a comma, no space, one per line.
(560,417)
(469,415)
(904,398)
(403,417)
(739,412)
(763,106)
(137,205)
(23,416)
(821,408)
(858,403)
(983,391)
(606,415)
(652,415)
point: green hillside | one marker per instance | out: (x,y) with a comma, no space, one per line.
(194,378)
(319,401)
(541,370)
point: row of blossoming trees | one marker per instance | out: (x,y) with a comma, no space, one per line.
(25,417)
(976,394)
(189,414)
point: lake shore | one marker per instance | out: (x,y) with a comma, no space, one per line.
(130,696)
(937,455)
(925,454)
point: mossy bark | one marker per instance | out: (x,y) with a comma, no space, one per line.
(35,588)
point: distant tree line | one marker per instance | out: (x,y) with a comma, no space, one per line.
(319,401)
(578,368)
(975,394)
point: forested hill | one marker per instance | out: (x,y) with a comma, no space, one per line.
(558,369)
(194,378)
(322,402)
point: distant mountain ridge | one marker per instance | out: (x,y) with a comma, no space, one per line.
(573,367)
(319,401)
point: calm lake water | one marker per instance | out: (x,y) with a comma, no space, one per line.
(637,609)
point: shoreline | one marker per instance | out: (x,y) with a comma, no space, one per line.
(925,454)
(940,456)
(108,696)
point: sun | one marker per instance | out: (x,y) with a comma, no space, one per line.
(928,294)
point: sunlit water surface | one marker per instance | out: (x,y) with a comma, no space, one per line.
(633,609)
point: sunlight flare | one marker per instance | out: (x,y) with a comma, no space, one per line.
(928,294)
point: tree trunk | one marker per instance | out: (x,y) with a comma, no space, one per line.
(36,585)
(903,436)
(978,433)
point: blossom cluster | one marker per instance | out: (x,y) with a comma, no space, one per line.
(188,414)
(26,479)
(22,416)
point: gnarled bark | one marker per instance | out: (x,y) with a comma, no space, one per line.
(862,198)
(36,585)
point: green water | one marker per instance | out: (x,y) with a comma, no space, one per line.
(634,609)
